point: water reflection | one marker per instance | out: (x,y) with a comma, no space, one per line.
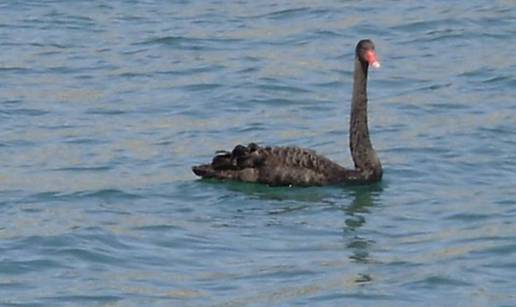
(363,200)
(265,192)
(358,243)
(334,215)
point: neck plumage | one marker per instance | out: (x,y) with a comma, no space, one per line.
(364,156)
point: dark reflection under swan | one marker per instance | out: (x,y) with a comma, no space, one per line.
(355,202)
(363,200)
(302,218)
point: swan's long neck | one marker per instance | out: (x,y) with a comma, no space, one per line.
(362,151)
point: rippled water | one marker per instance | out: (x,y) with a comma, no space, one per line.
(105,105)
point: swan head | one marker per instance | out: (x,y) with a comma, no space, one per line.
(365,53)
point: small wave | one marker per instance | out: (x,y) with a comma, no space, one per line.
(201,87)
(20,266)
(89,255)
(103,194)
(438,281)
(444,35)
(476,72)
(278,101)
(468,217)
(83,140)
(158,228)
(53,45)
(80,300)
(434,87)
(496,79)
(292,13)
(110,112)
(318,34)
(252,127)
(288,13)
(12,101)
(329,84)
(23,111)
(429,25)
(282,88)
(108,193)
(134,75)
(83,169)
(15,69)
(190,43)
(499,250)
(174,41)
(191,70)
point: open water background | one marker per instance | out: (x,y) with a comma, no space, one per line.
(105,105)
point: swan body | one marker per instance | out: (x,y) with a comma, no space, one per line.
(304,167)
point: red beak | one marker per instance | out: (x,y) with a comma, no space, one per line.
(372,59)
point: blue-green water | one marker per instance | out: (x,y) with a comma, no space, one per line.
(105,105)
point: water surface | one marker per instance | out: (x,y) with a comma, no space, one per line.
(105,105)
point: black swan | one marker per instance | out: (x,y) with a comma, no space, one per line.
(293,166)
